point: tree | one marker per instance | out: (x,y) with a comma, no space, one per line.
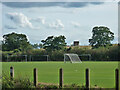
(0,45)
(14,41)
(102,36)
(37,46)
(54,43)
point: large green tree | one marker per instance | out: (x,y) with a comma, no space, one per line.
(14,41)
(54,43)
(102,36)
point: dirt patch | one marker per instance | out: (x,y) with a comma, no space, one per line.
(42,83)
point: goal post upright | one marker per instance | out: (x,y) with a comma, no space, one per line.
(46,56)
(89,57)
(7,58)
(29,57)
(26,58)
(64,58)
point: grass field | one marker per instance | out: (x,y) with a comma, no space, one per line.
(102,74)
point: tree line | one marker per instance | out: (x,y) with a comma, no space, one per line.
(17,44)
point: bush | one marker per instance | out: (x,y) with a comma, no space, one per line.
(114,53)
(23,83)
(6,82)
(100,54)
(57,55)
(16,83)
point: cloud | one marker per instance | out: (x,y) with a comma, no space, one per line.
(20,20)
(57,24)
(39,19)
(10,27)
(23,21)
(50,4)
(1,38)
(76,24)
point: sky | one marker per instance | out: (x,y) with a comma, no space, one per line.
(118,23)
(74,20)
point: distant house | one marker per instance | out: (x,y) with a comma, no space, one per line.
(76,43)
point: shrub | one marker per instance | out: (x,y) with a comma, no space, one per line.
(16,83)
(6,82)
(114,52)
(23,83)
(57,55)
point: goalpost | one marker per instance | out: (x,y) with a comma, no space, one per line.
(73,58)
(17,58)
(85,57)
(39,58)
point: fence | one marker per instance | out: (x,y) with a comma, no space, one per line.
(61,78)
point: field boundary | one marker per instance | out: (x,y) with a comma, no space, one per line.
(61,78)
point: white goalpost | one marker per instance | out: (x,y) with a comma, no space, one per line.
(85,57)
(39,58)
(18,58)
(73,58)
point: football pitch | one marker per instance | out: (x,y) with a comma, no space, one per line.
(102,74)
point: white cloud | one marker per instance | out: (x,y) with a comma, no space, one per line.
(21,20)
(39,19)
(57,24)
(1,38)
(76,24)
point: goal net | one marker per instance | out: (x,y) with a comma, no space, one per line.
(85,57)
(73,58)
(16,58)
(38,57)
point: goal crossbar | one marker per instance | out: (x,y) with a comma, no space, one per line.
(39,57)
(16,57)
(86,55)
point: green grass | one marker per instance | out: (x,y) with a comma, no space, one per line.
(102,74)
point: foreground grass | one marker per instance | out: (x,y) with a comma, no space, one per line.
(102,74)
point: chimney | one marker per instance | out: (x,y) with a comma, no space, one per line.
(76,43)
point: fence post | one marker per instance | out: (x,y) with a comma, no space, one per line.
(11,73)
(87,79)
(117,79)
(61,78)
(35,73)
